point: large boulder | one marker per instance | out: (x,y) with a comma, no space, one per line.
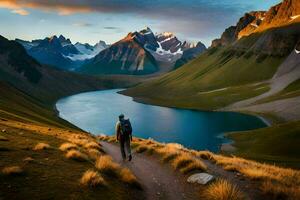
(201,178)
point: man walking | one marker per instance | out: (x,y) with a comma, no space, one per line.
(124,136)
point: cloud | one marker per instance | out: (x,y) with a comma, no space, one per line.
(192,18)
(110,27)
(82,24)
(20,12)
(58,6)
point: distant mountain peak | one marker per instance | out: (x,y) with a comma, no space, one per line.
(167,34)
(53,37)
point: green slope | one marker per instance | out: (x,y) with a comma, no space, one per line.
(217,78)
(279,143)
(222,75)
(30,90)
(225,75)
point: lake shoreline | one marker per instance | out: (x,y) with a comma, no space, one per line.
(226,147)
(88,103)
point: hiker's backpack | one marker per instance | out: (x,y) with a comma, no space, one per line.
(126,128)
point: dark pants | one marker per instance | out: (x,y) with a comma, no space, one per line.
(125,144)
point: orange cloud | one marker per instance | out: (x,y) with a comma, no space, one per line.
(20,6)
(20,12)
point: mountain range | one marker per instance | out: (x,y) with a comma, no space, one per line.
(254,67)
(140,52)
(60,52)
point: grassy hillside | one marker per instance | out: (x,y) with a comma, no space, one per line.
(30,90)
(279,143)
(223,75)
(226,75)
(217,78)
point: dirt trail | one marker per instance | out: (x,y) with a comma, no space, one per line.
(158,181)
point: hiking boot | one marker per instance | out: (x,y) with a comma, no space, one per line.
(129,158)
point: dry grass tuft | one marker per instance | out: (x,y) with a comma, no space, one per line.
(134,145)
(92,145)
(79,142)
(94,153)
(13,170)
(76,155)
(67,146)
(92,179)
(277,181)
(193,166)
(41,146)
(128,177)
(223,190)
(142,148)
(204,155)
(279,191)
(106,165)
(111,139)
(170,156)
(182,161)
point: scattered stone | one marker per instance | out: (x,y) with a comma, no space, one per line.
(201,178)
(49,129)
(3,130)
(28,159)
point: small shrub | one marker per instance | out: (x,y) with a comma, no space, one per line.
(93,153)
(41,146)
(80,142)
(254,173)
(169,157)
(127,176)
(92,179)
(92,145)
(223,190)
(134,145)
(111,139)
(279,191)
(182,161)
(67,146)
(141,149)
(194,165)
(13,170)
(205,155)
(76,155)
(106,165)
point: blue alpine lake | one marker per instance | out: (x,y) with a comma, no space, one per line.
(97,112)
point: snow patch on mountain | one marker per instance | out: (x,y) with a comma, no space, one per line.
(87,51)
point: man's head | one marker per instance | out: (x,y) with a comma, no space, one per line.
(121,117)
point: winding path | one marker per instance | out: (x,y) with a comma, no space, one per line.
(158,181)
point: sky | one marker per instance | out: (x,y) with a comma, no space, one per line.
(110,20)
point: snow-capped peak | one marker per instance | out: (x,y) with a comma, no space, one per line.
(167,34)
(146,31)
